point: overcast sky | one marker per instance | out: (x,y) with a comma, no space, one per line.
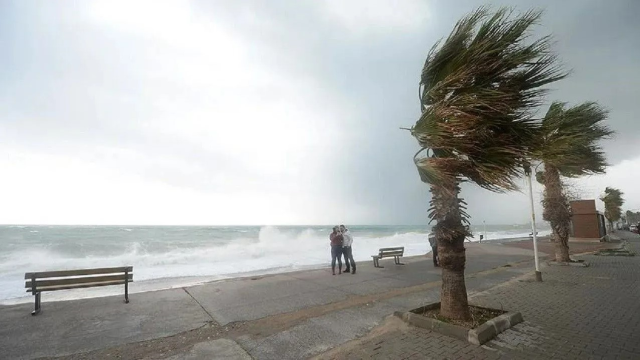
(262,112)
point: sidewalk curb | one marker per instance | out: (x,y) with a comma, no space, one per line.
(493,327)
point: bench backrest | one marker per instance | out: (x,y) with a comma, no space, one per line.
(74,279)
(393,251)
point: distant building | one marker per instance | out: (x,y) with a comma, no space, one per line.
(586,222)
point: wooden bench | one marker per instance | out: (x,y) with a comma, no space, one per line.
(395,252)
(76,279)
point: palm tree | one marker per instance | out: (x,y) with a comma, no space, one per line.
(568,147)
(613,201)
(477,92)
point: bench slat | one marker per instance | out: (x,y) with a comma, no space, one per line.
(79,272)
(79,286)
(388,256)
(392,249)
(390,252)
(77,280)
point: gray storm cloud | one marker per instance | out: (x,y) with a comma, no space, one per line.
(300,101)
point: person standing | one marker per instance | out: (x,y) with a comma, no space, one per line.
(347,250)
(434,249)
(336,250)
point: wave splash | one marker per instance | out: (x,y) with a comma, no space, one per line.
(274,248)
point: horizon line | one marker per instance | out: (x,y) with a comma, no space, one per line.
(253,225)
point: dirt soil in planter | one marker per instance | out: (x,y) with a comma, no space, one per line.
(479,316)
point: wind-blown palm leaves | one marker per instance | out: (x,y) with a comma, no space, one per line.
(568,146)
(478,90)
(613,201)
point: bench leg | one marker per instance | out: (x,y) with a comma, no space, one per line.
(37,305)
(126,291)
(378,264)
(397,259)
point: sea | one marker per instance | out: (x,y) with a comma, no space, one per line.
(176,256)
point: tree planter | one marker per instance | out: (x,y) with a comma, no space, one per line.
(575,263)
(615,252)
(621,251)
(477,335)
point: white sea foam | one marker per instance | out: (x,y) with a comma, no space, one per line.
(504,235)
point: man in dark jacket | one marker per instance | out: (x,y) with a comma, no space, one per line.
(336,250)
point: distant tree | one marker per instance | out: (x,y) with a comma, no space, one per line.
(570,191)
(568,147)
(632,217)
(613,201)
(478,91)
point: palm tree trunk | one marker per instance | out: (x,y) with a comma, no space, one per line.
(556,208)
(450,234)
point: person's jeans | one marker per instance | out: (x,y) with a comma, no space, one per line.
(348,258)
(336,254)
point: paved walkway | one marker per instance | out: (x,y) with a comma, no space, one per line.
(575,313)
(285,316)
(299,315)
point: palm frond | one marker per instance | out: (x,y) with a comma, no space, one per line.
(478,90)
(569,139)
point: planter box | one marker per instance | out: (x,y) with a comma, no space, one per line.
(478,336)
(620,251)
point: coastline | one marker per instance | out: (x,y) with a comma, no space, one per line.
(166,283)
(262,305)
(168,257)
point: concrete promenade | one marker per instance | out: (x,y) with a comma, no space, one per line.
(286,316)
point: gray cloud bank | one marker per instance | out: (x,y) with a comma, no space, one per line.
(299,101)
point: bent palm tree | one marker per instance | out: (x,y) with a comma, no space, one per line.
(568,146)
(613,201)
(477,91)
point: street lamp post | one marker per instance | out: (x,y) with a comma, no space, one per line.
(533,226)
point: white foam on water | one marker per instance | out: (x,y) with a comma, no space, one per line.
(505,235)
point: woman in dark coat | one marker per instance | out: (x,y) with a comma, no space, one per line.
(336,250)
